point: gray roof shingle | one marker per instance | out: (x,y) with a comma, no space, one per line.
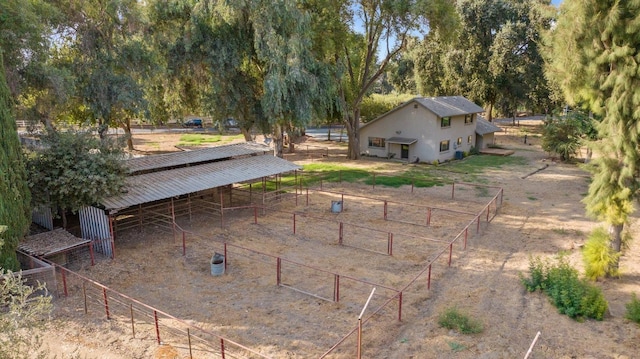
(483,127)
(446,106)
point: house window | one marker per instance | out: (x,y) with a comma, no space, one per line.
(468,118)
(377,142)
(445,122)
(444,146)
(459,141)
(469,139)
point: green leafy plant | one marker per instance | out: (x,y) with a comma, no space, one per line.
(598,256)
(633,309)
(573,296)
(454,319)
(456,347)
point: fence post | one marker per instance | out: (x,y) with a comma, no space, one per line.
(374,181)
(307,196)
(255,213)
(428,216)
(222,347)
(340,233)
(133,328)
(342,200)
(336,288)
(385,209)
(294,223)
(113,249)
(412,184)
(501,195)
(488,206)
(84,294)
(450,252)
(155,318)
(184,244)
(400,307)
(478,226)
(106,302)
(91,253)
(429,278)
(226,258)
(278,270)
(390,244)
(453,189)
(189,340)
(64,282)
(466,234)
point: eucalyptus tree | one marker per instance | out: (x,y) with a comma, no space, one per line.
(15,209)
(593,55)
(110,58)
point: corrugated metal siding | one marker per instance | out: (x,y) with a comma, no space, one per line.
(206,154)
(94,225)
(166,184)
(43,217)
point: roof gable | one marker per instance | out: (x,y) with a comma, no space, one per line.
(444,106)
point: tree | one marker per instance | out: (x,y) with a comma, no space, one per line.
(592,55)
(565,135)
(22,313)
(494,59)
(74,169)
(15,208)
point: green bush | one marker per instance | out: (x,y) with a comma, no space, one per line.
(453,319)
(573,296)
(633,309)
(599,258)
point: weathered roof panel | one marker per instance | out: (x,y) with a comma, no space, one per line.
(483,127)
(155,186)
(446,106)
(168,160)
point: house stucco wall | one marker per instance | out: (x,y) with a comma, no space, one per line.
(415,121)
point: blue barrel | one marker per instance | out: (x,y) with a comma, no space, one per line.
(459,155)
(336,206)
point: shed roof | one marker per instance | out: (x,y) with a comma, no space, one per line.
(155,186)
(446,106)
(483,127)
(168,160)
(49,243)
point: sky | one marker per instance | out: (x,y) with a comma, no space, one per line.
(556,2)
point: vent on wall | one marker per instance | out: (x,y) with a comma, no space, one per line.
(415,105)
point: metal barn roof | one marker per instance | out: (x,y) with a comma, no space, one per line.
(201,155)
(155,186)
(446,106)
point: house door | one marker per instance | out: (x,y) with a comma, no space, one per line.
(404,151)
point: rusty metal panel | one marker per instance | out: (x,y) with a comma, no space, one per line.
(168,160)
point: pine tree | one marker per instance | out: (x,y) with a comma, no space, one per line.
(14,193)
(593,55)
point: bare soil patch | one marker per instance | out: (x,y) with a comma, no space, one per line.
(541,216)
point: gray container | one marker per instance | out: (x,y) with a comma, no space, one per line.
(336,206)
(217,264)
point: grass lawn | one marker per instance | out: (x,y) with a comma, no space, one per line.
(197,139)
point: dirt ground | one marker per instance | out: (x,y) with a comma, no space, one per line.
(541,216)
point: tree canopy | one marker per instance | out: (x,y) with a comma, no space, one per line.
(593,56)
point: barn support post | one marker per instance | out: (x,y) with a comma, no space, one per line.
(173,220)
(230,195)
(250,193)
(221,210)
(189,205)
(184,244)
(140,217)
